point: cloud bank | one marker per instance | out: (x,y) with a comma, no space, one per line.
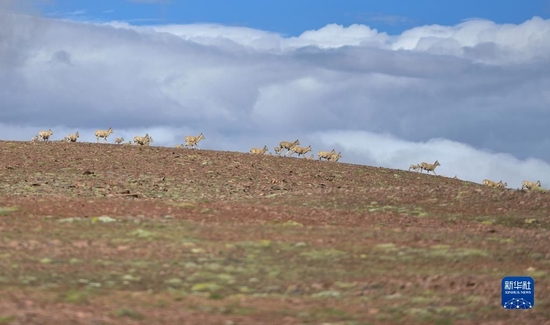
(464,161)
(475,95)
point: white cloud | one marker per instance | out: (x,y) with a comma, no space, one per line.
(479,87)
(479,39)
(218,35)
(464,161)
(474,39)
(334,35)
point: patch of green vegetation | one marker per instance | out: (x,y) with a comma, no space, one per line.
(7,319)
(69,220)
(8,210)
(375,207)
(174,282)
(326,315)
(103,219)
(142,233)
(391,252)
(486,220)
(130,313)
(128,278)
(449,310)
(476,299)
(328,294)
(513,220)
(386,247)
(536,273)
(430,316)
(46,260)
(536,256)
(206,287)
(143,264)
(323,254)
(345,285)
(423,300)
(450,252)
(76,296)
(235,308)
(419,212)
(522,221)
(292,223)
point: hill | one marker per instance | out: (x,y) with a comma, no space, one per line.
(117,234)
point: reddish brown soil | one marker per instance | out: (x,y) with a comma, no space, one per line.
(349,244)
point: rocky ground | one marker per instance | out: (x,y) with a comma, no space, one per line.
(114,234)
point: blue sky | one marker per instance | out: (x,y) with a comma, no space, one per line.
(292,17)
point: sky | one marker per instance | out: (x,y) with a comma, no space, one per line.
(387,83)
(292,17)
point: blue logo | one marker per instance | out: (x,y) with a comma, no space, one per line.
(518,292)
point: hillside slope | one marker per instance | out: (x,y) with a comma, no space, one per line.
(119,234)
(87,170)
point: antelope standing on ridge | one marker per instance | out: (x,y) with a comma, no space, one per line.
(192,141)
(429,167)
(103,134)
(45,135)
